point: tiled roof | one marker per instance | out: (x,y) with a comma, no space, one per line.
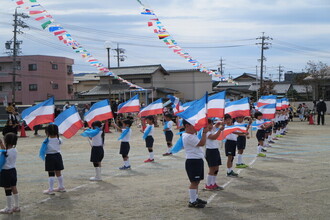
(282,88)
(136,70)
(302,88)
(103,89)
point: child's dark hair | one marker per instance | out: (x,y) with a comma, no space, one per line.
(184,122)
(128,122)
(10,139)
(52,130)
(168,116)
(257,114)
(151,118)
(227,116)
(209,121)
(98,124)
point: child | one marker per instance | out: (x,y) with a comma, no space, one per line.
(230,147)
(10,127)
(260,133)
(168,124)
(8,175)
(212,155)
(241,140)
(53,159)
(148,137)
(194,162)
(124,145)
(97,151)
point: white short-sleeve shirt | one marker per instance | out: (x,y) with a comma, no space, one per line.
(211,144)
(261,121)
(151,133)
(170,125)
(97,139)
(54,145)
(127,136)
(190,142)
(10,159)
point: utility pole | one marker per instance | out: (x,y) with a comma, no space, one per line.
(120,55)
(107,46)
(14,46)
(280,71)
(264,46)
(221,67)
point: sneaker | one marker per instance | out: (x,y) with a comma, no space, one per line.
(9,211)
(272,142)
(209,188)
(263,150)
(279,136)
(59,189)
(95,179)
(200,201)
(232,174)
(125,167)
(275,138)
(49,192)
(261,155)
(242,165)
(216,187)
(167,154)
(16,209)
(149,160)
(283,134)
(195,205)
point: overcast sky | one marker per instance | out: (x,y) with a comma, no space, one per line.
(300,30)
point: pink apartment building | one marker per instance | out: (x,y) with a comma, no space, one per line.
(38,77)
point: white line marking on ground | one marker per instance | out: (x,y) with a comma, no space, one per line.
(209,200)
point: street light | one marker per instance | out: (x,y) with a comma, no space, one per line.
(107,46)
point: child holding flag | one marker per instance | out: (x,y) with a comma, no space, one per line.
(241,140)
(168,124)
(51,147)
(194,162)
(148,137)
(260,133)
(8,175)
(124,145)
(212,154)
(97,152)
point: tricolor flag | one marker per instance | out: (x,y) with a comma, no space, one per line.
(69,122)
(216,105)
(278,104)
(230,129)
(268,111)
(267,99)
(176,105)
(98,112)
(131,105)
(154,108)
(285,103)
(255,125)
(196,114)
(39,114)
(238,108)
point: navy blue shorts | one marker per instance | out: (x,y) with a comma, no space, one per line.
(149,142)
(195,169)
(168,136)
(8,178)
(230,147)
(54,162)
(124,148)
(241,142)
(97,154)
(212,157)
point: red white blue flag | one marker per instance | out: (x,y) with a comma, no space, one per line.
(154,108)
(267,99)
(268,111)
(98,112)
(176,105)
(69,122)
(131,105)
(238,108)
(39,114)
(216,105)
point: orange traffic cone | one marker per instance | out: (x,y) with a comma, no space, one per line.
(311,120)
(106,128)
(23,133)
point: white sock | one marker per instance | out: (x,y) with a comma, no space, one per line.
(169,149)
(192,195)
(269,138)
(229,170)
(213,180)
(16,202)
(259,149)
(9,201)
(239,158)
(126,163)
(151,155)
(98,173)
(60,182)
(51,182)
(209,180)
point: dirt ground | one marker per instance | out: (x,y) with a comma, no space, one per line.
(292,182)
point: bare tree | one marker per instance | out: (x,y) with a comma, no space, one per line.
(318,73)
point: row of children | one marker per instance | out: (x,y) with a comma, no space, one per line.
(192,145)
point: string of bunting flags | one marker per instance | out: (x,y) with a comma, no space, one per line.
(39,13)
(171,43)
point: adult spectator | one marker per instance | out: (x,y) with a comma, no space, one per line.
(321,109)
(66,106)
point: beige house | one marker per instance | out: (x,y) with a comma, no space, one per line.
(185,84)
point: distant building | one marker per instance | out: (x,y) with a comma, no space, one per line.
(38,78)
(186,84)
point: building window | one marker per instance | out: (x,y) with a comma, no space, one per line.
(69,69)
(33,87)
(32,67)
(147,80)
(54,85)
(115,81)
(54,66)
(18,86)
(0,68)
(0,88)
(70,88)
